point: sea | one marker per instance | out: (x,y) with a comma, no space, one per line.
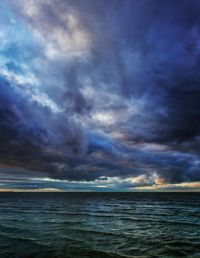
(37,225)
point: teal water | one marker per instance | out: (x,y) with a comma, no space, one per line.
(99,225)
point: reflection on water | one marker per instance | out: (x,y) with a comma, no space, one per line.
(99,225)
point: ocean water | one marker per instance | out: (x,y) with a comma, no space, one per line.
(99,225)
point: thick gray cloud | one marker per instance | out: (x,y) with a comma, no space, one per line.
(101,89)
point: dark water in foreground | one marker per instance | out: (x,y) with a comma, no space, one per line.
(99,225)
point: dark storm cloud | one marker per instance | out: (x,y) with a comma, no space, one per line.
(93,89)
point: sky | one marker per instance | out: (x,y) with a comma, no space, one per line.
(99,95)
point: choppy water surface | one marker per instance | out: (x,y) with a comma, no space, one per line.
(99,225)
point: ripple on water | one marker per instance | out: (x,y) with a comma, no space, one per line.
(95,225)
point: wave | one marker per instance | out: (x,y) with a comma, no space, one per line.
(107,254)
(106,227)
(161,221)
